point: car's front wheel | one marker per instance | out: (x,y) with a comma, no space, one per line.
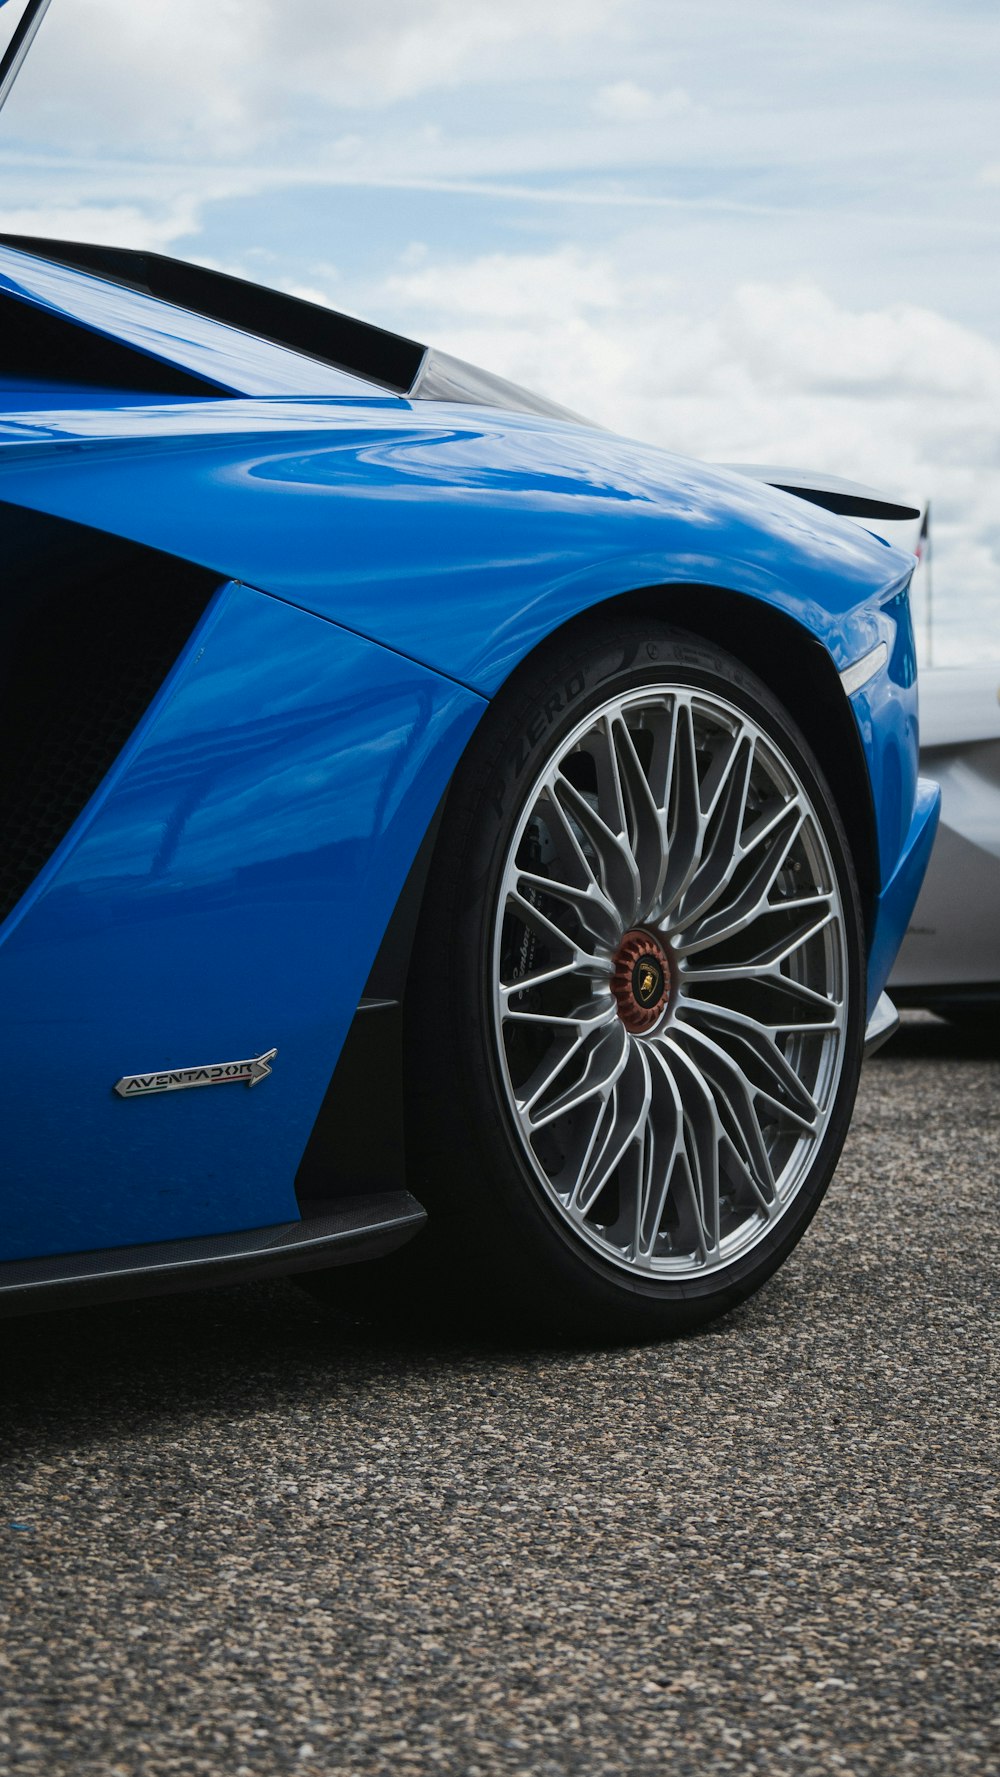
(635,1015)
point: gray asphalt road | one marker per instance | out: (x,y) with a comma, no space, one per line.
(238,1541)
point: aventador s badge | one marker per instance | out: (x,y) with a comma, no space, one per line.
(218,1073)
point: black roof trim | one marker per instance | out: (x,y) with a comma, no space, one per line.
(387,359)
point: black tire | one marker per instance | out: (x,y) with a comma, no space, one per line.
(498,1249)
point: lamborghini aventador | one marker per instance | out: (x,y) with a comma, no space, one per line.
(419,806)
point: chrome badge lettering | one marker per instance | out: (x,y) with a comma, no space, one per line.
(216,1073)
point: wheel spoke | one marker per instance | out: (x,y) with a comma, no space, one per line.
(593,909)
(646,823)
(569,849)
(628,1106)
(699,1135)
(578,1021)
(546,928)
(723,825)
(684,810)
(740,1035)
(751,899)
(604,1060)
(734,1098)
(704,1134)
(535,979)
(619,878)
(767,961)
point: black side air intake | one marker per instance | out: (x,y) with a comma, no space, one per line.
(89,628)
(46,348)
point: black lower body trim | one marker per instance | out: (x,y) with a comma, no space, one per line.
(357,1141)
(349,1229)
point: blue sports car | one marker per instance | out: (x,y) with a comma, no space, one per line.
(420,806)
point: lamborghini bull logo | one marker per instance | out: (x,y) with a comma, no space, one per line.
(649,982)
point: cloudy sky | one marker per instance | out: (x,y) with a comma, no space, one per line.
(763,232)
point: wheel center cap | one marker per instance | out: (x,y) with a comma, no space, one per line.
(640,980)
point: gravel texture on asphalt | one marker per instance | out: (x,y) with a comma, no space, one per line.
(242,1540)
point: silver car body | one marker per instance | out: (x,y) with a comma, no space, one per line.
(951,953)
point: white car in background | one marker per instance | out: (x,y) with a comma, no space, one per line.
(950,959)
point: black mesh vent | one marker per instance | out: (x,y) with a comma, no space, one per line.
(82,658)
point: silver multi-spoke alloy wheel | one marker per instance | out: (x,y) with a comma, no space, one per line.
(669,981)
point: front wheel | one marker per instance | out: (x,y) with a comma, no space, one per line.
(635,1012)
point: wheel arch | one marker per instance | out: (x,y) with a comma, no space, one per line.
(790,661)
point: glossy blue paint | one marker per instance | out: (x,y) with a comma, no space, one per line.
(45,402)
(886,713)
(225,892)
(898,898)
(227,888)
(907,807)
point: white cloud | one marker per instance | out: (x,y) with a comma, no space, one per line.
(121,225)
(623,100)
(626,102)
(853,87)
(504,288)
(394,50)
(176,74)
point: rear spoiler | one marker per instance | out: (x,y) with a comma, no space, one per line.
(832,492)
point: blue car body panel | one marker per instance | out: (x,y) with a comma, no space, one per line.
(223,894)
(898,898)
(384,565)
